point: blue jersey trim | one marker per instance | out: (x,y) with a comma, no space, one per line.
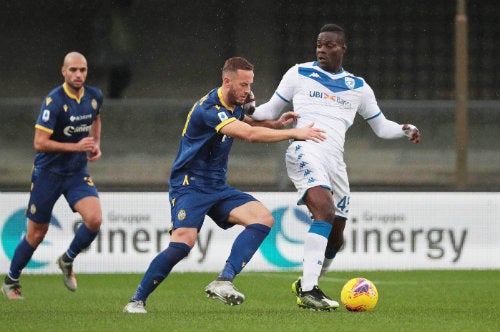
(373,117)
(283,98)
(334,85)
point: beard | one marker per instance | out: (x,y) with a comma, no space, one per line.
(75,87)
(233,97)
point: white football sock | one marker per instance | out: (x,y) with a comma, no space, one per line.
(314,255)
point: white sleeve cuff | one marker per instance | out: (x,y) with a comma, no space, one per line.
(384,128)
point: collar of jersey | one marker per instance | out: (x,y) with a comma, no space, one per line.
(72,95)
(219,94)
(315,64)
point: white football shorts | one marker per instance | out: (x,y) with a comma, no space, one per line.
(308,166)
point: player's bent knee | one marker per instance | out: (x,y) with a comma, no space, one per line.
(36,233)
(185,235)
(94,223)
(261,215)
(35,238)
(267,220)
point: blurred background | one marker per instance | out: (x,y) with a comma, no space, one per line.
(153,59)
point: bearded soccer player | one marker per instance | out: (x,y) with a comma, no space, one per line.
(198,185)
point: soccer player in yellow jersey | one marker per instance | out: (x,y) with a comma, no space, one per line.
(67,135)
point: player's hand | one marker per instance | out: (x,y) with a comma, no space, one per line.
(287,118)
(95,154)
(310,133)
(412,133)
(86,144)
(249,105)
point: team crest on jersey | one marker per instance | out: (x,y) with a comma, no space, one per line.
(181,215)
(33,209)
(94,104)
(222,116)
(46,115)
(48,101)
(349,81)
(65,108)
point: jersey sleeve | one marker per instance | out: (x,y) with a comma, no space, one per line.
(218,117)
(48,115)
(370,111)
(288,84)
(368,107)
(100,100)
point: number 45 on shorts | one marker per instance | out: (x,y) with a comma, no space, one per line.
(343,204)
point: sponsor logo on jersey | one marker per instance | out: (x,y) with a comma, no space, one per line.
(48,100)
(334,98)
(80,117)
(70,130)
(314,75)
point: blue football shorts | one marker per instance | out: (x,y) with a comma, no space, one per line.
(191,203)
(47,187)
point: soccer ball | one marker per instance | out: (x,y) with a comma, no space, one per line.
(359,294)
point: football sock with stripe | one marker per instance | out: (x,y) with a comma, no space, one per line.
(22,256)
(314,253)
(159,268)
(243,249)
(83,238)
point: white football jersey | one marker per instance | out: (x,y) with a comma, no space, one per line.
(330,100)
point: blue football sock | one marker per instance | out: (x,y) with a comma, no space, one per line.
(22,256)
(159,268)
(244,247)
(83,238)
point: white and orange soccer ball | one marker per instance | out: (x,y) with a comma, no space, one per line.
(359,294)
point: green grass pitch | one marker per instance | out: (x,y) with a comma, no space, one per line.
(408,301)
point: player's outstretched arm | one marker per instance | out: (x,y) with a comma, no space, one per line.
(242,130)
(388,129)
(284,120)
(309,133)
(271,109)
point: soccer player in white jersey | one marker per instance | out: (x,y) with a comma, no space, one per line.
(324,93)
